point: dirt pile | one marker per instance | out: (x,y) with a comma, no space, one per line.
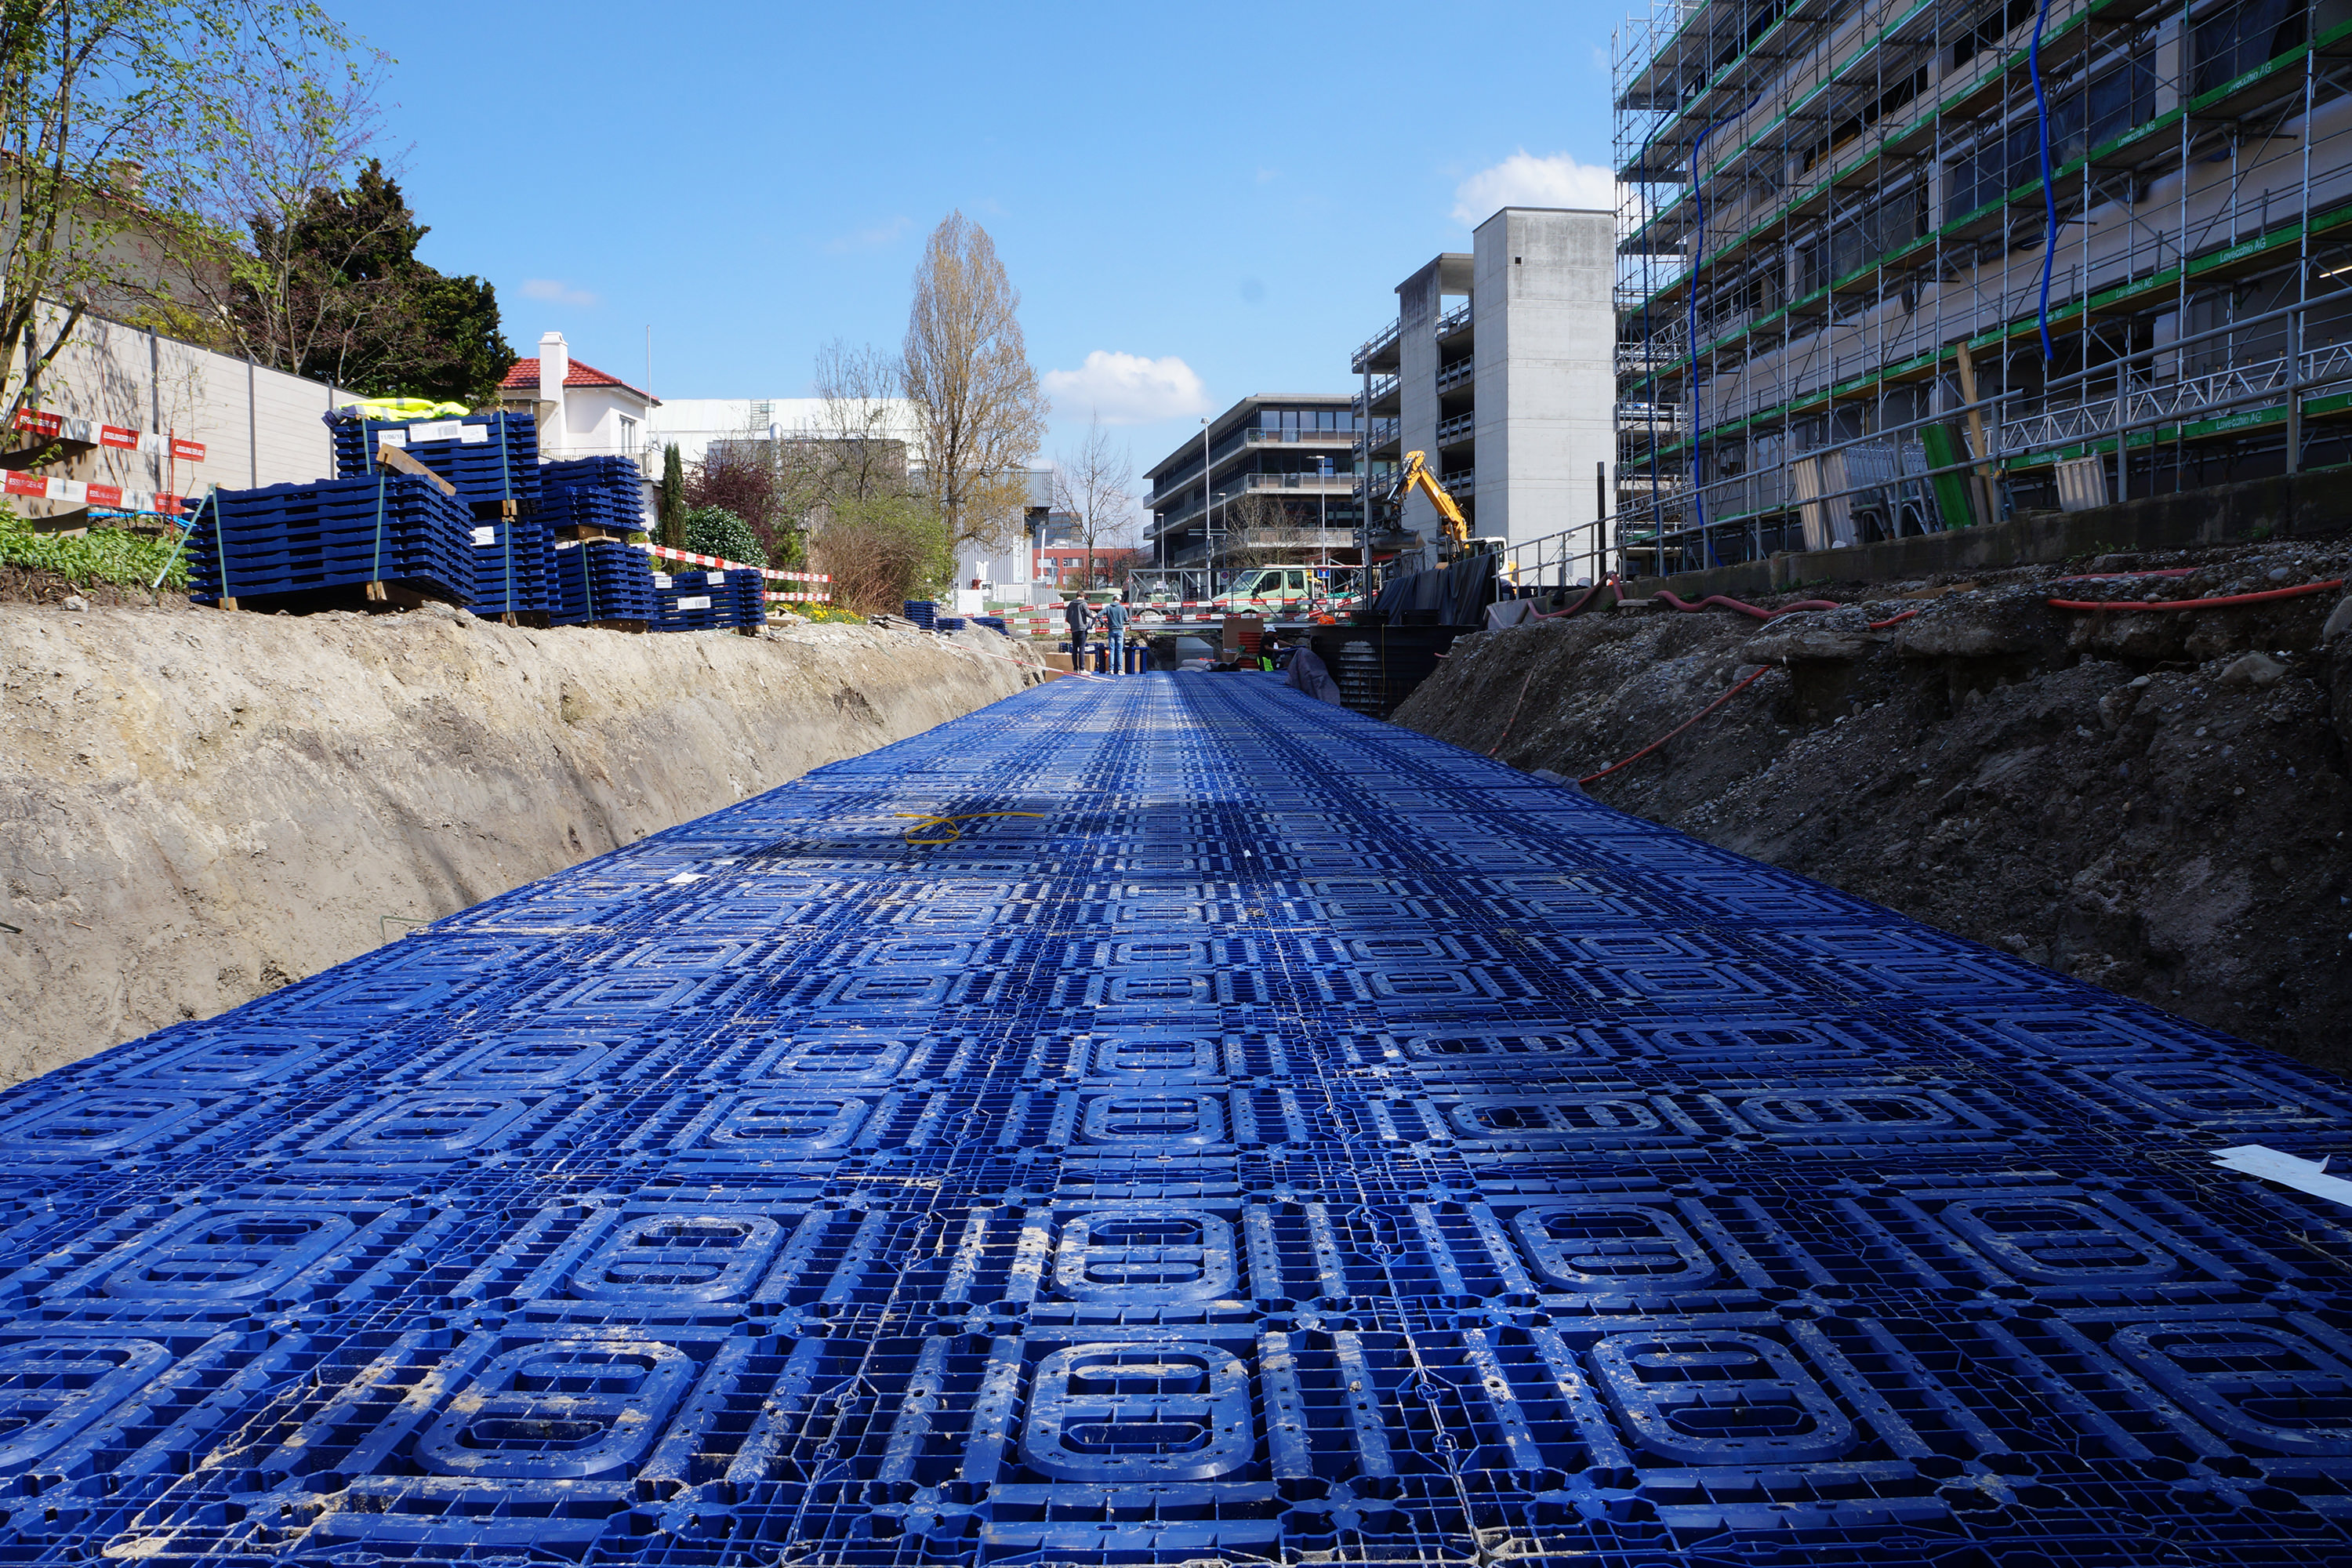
(2153,801)
(197,807)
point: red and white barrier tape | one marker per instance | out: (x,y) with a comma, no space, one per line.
(58,427)
(773,574)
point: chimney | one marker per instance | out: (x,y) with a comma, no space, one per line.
(555,369)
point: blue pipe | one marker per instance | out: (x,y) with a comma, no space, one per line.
(1699,254)
(2049,191)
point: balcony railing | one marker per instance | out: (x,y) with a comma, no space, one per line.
(1382,431)
(1454,375)
(1301,438)
(1380,389)
(1453,319)
(1457,428)
(1324,484)
(1373,345)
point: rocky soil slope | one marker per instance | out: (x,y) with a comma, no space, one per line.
(2155,802)
(197,807)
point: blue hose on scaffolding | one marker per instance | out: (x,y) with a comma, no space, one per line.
(1698,255)
(2049,191)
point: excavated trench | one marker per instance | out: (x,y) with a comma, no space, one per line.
(2155,801)
(197,808)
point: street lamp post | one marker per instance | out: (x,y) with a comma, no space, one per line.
(1208,529)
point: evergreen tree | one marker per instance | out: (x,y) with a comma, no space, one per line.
(355,307)
(673,499)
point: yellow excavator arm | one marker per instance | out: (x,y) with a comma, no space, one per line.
(1415,475)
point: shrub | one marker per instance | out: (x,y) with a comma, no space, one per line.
(884,551)
(715,530)
(103,555)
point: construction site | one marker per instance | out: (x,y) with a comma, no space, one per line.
(1781,1001)
(1894,268)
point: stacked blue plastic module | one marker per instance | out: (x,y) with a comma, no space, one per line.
(491,459)
(993,622)
(693,602)
(605,492)
(924,613)
(948,624)
(750,591)
(332,534)
(1175,1121)
(603,580)
(514,564)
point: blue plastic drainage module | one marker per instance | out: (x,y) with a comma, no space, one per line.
(1168,1119)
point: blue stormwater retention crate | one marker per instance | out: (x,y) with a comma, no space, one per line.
(332,534)
(602,579)
(491,459)
(1300,1137)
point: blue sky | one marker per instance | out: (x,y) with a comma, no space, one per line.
(1237,189)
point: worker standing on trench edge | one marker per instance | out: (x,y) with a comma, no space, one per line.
(1115,628)
(1074,614)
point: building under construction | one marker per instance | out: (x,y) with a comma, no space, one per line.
(1891,265)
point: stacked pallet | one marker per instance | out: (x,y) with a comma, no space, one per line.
(393,528)
(602,579)
(751,593)
(514,567)
(948,624)
(491,459)
(924,613)
(713,600)
(693,601)
(607,494)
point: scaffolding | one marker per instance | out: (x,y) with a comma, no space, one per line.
(1889,267)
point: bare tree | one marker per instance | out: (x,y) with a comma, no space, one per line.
(111,114)
(1259,531)
(966,367)
(862,422)
(1093,486)
(301,124)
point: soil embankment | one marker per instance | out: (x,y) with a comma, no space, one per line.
(2153,801)
(197,808)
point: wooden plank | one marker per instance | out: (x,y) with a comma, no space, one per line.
(393,458)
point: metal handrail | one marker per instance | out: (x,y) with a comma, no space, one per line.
(1460,371)
(1456,317)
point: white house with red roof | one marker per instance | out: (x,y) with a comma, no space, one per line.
(583,412)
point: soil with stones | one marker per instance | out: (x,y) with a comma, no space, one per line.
(2154,801)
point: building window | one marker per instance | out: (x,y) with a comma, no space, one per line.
(629,435)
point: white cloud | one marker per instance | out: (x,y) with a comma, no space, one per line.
(556,292)
(1128,389)
(1522,180)
(872,238)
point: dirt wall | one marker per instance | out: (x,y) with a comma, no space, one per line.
(197,807)
(2154,801)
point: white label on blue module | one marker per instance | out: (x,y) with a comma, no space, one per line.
(485,535)
(699,602)
(2287,1170)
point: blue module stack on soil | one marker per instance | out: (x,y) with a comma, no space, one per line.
(1172,1119)
(603,580)
(331,534)
(491,459)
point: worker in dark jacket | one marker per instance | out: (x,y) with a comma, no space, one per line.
(1074,614)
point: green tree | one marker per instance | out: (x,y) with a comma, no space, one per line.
(672,509)
(113,113)
(335,292)
(715,530)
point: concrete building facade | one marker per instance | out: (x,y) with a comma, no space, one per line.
(1279,476)
(2063,253)
(1499,369)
